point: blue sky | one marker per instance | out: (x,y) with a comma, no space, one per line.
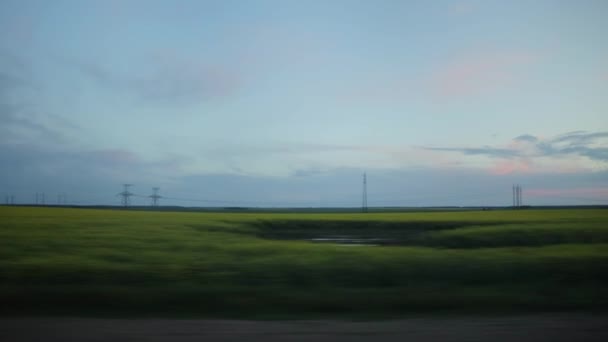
(287,103)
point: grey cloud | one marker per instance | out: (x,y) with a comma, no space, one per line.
(19,119)
(233,150)
(486,151)
(15,127)
(571,143)
(598,153)
(96,73)
(15,74)
(9,81)
(172,82)
(311,172)
(527,138)
(88,176)
(579,137)
(575,143)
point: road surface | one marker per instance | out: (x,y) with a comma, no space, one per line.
(520,328)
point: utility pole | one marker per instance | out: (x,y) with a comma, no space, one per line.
(126,194)
(155,197)
(364,199)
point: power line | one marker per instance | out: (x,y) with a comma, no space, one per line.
(228,202)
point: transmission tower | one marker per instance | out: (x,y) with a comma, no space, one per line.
(155,197)
(62,199)
(364,199)
(517,196)
(513,189)
(520,201)
(126,195)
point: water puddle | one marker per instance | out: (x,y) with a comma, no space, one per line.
(353,241)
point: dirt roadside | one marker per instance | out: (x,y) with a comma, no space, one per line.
(521,328)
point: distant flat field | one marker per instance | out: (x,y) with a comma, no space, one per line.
(119,263)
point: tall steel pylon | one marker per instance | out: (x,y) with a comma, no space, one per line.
(40,198)
(520,201)
(126,195)
(517,196)
(155,197)
(364,199)
(513,190)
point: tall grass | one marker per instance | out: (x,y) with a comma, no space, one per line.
(218,264)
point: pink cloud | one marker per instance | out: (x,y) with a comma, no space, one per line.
(525,165)
(505,167)
(474,75)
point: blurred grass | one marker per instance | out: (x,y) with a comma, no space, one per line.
(56,260)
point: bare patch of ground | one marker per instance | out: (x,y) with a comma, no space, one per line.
(520,328)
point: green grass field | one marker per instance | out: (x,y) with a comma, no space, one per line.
(112,262)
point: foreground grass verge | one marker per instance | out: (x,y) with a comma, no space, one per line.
(69,261)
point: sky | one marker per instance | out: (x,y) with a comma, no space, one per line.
(288,103)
